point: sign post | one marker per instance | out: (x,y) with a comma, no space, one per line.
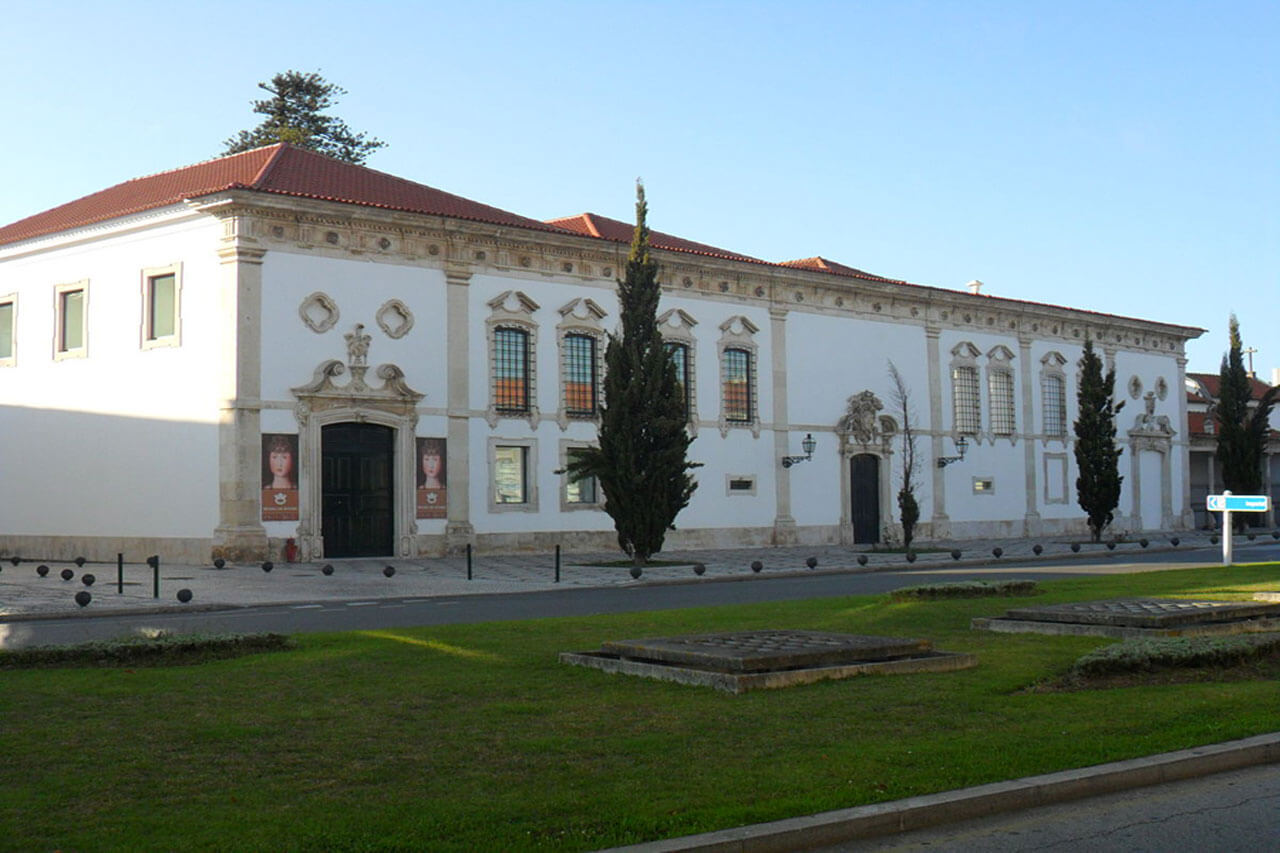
(1227,503)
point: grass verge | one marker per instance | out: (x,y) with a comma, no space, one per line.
(965,589)
(473,737)
(160,650)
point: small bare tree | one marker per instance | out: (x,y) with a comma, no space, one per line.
(908,509)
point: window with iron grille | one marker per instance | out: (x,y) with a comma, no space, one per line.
(736,372)
(511,370)
(1053,391)
(1000,394)
(579,375)
(964,397)
(680,356)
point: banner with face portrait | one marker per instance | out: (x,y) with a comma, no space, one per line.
(279,477)
(430,464)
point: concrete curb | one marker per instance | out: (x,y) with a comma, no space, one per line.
(834,827)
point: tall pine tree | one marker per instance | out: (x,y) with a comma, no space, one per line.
(641,463)
(1242,427)
(1097,456)
(295,114)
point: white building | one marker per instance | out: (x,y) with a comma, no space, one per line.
(160,339)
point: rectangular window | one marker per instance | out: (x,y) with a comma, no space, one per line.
(510,474)
(983,485)
(511,370)
(1000,391)
(579,375)
(968,407)
(162,306)
(71,316)
(1055,406)
(7,315)
(737,385)
(680,357)
(583,490)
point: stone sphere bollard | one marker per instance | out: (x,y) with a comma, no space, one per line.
(328,569)
(1275,534)
(219,563)
(911,556)
(83,598)
(42,570)
(1213,540)
(184,595)
(955,553)
(88,579)
(268,566)
(1075,547)
(811,562)
(998,552)
(67,574)
(79,561)
(1111,546)
(862,559)
(756,566)
(1251,536)
(389,571)
(1037,549)
(636,571)
(15,560)
(699,569)
(1143,542)
(1174,541)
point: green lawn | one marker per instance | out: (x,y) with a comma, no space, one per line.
(475,738)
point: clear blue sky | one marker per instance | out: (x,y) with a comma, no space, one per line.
(1120,157)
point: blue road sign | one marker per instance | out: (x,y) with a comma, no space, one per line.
(1239,503)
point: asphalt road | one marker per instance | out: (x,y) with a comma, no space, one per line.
(416,611)
(1233,812)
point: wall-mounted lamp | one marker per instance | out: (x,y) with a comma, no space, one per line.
(808,444)
(962,444)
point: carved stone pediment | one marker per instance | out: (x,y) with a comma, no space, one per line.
(860,422)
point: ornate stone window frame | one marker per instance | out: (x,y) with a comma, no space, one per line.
(567,446)
(1000,369)
(394,319)
(149,276)
(1052,368)
(676,327)
(512,309)
(323,401)
(325,303)
(11,360)
(738,333)
(581,317)
(60,292)
(964,356)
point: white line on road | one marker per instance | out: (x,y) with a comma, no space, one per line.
(362,604)
(305,606)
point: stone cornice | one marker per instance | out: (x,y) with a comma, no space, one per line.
(341,230)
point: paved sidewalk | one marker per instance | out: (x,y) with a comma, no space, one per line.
(24,594)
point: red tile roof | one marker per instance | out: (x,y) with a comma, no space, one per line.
(282,169)
(1210,382)
(823,265)
(595,225)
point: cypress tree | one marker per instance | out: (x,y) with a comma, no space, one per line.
(1242,428)
(1097,456)
(641,462)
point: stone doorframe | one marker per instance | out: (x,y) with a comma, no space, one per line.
(322,402)
(1152,432)
(862,430)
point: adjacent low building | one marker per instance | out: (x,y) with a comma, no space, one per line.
(276,351)
(1202,433)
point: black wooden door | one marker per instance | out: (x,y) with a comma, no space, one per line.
(357,490)
(864,493)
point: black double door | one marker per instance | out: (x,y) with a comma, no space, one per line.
(358,498)
(864,494)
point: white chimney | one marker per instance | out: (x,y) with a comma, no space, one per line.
(1275,376)
(975,287)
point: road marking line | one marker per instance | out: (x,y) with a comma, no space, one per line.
(362,604)
(305,606)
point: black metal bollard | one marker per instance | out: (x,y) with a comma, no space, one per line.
(468,561)
(154,562)
(119,574)
(557,564)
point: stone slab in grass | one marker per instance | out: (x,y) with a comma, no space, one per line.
(1133,617)
(753,660)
